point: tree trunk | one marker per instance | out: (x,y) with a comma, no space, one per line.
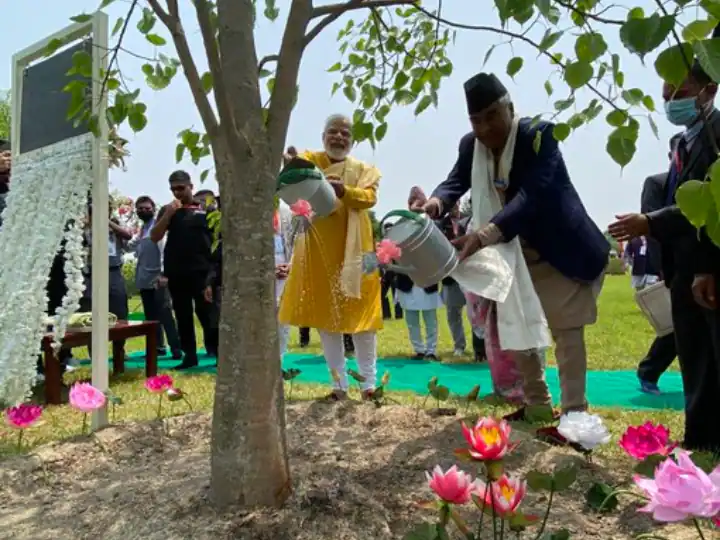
(249,463)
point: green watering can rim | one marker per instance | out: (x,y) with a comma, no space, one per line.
(295,176)
(407,214)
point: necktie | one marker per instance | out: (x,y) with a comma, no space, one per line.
(679,158)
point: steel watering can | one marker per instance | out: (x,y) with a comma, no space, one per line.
(300,179)
(427,256)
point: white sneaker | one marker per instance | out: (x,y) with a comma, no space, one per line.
(459,353)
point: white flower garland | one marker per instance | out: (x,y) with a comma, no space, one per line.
(49,186)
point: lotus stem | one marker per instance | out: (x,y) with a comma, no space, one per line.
(546,516)
(20,439)
(502,529)
(291,390)
(84,424)
(482,512)
(187,401)
(494,513)
(620,492)
(699,529)
(159,407)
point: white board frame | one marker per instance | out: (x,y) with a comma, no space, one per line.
(97,29)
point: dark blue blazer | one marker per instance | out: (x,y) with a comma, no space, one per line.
(541,204)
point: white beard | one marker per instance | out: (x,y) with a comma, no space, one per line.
(337,155)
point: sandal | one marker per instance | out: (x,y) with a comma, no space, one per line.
(334,396)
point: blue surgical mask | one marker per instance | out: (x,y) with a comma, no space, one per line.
(682,112)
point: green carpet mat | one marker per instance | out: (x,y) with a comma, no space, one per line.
(605,388)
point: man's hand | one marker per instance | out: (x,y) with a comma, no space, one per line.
(208,294)
(432,207)
(173,207)
(703,289)
(5,162)
(629,226)
(161,282)
(289,154)
(468,244)
(337,186)
(282,271)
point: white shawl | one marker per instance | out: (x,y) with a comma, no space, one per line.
(500,273)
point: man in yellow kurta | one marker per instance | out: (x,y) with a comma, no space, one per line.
(334,282)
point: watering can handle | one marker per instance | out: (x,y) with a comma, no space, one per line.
(408,214)
(295,176)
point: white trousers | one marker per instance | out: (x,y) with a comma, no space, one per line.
(283,334)
(365,352)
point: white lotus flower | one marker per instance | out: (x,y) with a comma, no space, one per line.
(584,428)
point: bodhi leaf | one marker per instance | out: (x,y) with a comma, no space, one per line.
(578,74)
(643,35)
(622,144)
(672,63)
(698,30)
(694,200)
(708,54)
(514,66)
(589,47)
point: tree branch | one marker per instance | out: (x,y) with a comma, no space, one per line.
(266,60)
(174,25)
(585,14)
(339,9)
(202,8)
(513,35)
(288,67)
(333,12)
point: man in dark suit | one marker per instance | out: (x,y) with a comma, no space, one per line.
(662,351)
(691,262)
(565,251)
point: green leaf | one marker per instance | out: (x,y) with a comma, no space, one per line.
(561,132)
(712,229)
(355,375)
(137,121)
(598,494)
(648,103)
(473,394)
(337,66)
(698,30)
(712,7)
(350,93)
(82,18)
(589,47)
(537,141)
(562,534)
(643,35)
(290,374)
(672,63)
(548,88)
(647,466)
(564,478)
(179,152)
(207,82)
(578,74)
(423,104)
(549,39)
(695,201)
(514,66)
(424,531)
(539,481)
(147,22)
(401,79)
(634,96)
(380,131)
(441,393)
(156,40)
(622,144)
(148,70)
(488,53)
(432,384)
(53,46)
(616,118)
(708,54)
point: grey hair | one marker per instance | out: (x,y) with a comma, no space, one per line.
(335,118)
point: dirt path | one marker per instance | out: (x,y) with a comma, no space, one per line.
(357,471)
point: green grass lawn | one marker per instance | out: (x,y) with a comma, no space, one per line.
(617,342)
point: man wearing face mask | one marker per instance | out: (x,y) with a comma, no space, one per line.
(690,261)
(149,280)
(334,284)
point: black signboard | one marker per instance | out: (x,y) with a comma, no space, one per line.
(45,105)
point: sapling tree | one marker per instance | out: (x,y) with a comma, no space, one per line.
(391,53)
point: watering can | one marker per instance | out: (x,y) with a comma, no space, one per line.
(427,256)
(302,180)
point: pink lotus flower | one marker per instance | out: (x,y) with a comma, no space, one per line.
(23,416)
(386,251)
(159,383)
(453,486)
(86,398)
(504,494)
(647,440)
(489,439)
(681,490)
(301,208)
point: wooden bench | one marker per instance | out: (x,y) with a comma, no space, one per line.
(118,333)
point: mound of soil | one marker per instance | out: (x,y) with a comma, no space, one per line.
(357,473)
